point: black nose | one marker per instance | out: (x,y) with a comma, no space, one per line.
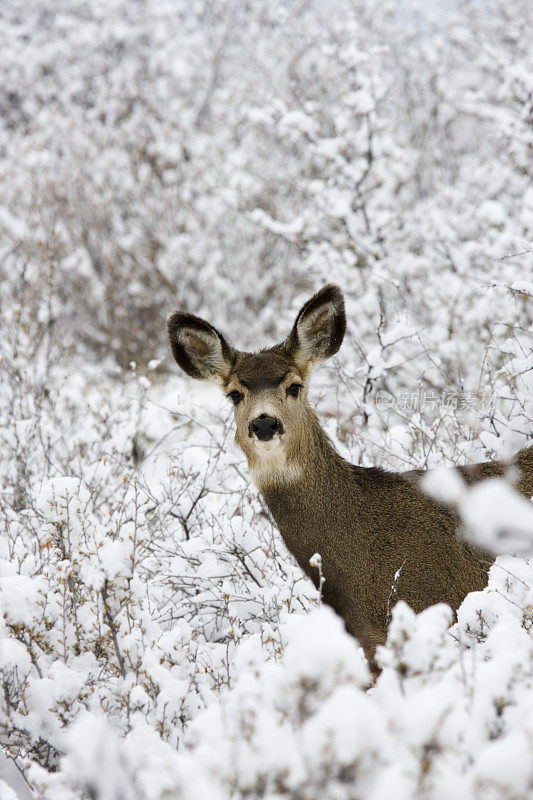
(265,427)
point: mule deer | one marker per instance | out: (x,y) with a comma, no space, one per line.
(365,522)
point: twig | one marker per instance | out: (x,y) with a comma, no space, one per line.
(393,591)
(316,561)
(112,628)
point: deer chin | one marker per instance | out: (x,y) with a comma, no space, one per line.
(269,465)
(270,446)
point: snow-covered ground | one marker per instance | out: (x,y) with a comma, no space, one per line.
(156,639)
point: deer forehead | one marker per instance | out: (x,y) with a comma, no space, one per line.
(259,372)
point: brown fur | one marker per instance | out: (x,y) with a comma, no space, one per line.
(365,523)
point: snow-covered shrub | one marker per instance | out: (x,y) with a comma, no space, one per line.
(156,639)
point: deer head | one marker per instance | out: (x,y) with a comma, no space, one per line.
(268,389)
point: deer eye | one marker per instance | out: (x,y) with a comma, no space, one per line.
(236,397)
(294,389)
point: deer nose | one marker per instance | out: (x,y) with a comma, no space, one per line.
(265,427)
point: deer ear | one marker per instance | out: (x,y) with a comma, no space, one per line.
(319,329)
(200,350)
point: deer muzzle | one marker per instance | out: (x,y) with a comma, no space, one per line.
(265,427)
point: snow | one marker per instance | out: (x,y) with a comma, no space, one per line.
(496,517)
(492,213)
(157,640)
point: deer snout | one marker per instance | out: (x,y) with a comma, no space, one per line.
(265,427)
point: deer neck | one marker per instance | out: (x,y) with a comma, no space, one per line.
(312,496)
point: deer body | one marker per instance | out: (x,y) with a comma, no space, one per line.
(366,523)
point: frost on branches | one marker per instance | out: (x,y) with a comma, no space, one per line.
(156,639)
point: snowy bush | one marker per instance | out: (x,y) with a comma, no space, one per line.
(156,638)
